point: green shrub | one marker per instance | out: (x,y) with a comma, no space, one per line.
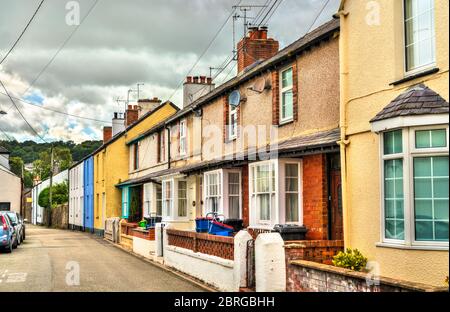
(350,259)
(60,195)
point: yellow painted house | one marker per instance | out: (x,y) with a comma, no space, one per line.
(112,163)
(394,135)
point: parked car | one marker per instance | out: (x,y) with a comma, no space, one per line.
(18,224)
(8,237)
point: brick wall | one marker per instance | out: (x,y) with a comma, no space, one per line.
(315,197)
(252,50)
(245,197)
(144,234)
(306,276)
(321,251)
(218,246)
(127,228)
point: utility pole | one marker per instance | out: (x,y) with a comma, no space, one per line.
(49,223)
(138,94)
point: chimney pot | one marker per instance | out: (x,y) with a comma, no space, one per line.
(209,80)
(189,79)
(130,107)
(196,79)
(202,79)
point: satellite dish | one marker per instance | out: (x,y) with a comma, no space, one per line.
(234,99)
(260,85)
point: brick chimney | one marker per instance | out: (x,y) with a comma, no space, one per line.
(196,87)
(256,47)
(147,105)
(107,134)
(131,115)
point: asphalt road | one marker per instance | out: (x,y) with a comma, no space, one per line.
(49,260)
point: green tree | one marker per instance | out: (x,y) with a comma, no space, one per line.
(62,159)
(16,164)
(60,195)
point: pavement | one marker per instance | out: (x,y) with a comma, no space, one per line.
(67,261)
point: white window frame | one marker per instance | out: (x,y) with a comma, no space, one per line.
(183,137)
(232,126)
(299,191)
(409,152)
(424,67)
(207,195)
(284,90)
(226,191)
(177,215)
(167,202)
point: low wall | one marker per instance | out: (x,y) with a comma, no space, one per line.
(212,270)
(320,251)
(307,276)
(218,246)
(144,247)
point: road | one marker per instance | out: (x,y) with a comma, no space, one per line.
(49,260)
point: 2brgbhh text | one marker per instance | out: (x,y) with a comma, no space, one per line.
(225,302)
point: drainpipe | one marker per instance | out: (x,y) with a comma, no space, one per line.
(342,15)
(168,147)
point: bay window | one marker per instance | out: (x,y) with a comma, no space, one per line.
(174,199)
(286,96)
(419,34)
(415,180)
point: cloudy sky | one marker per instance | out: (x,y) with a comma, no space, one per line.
(119,44)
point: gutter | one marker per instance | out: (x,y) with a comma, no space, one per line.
(343,57)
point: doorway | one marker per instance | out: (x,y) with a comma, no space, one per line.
(335,215)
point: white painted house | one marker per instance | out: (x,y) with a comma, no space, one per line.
(76,197)
(37,215)
(10,185)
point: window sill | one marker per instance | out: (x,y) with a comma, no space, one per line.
(285,123)
(415,76)
(412,247)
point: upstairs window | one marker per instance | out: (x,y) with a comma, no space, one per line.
(419,34)
(233,124)
(136,156)
(286,96)
(183,138)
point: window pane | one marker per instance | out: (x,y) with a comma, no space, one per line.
(424,231)
(234,207)
(442,231)
(440,166)
(394,199)
(441,209)
(424,209)
(287,78)
(422,167)
(264,207)
(422,188)
(292,207)
(423,139)
(393,142)
(287,104)
(439,138)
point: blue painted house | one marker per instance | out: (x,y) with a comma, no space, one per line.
(88,182)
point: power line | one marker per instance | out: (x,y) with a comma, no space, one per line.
(268,12)
(6,135)
(23,32)
(23,117)
(206,50)
(60,48)
(318,15)
(56,111)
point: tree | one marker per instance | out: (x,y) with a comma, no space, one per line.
(62,161)
(60,195)
(16,164)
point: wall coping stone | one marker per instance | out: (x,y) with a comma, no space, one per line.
(361,275)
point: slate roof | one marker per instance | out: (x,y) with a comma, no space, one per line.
(417,100)
(3,150)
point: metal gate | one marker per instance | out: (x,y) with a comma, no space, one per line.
(251,263)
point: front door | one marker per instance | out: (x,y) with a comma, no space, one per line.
(337,229)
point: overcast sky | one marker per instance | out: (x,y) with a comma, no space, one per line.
(119,44)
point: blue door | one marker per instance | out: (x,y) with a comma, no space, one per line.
(89,194)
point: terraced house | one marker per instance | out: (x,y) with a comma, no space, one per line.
(262,147)
(394,96)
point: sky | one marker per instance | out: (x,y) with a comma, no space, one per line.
(116,46)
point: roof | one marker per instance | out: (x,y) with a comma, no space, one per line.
(2,168)
(301,144)
(310,39)
(4,150)
(120,134)
(417,100)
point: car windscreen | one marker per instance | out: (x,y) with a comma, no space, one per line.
(13,217)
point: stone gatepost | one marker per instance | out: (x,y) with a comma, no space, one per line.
(240,259)
(270,263)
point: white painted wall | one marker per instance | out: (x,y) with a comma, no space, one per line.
(10,189)
(76,195)
(38,211)
(144,247)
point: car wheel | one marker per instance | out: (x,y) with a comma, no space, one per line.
(10,247)
(15,244)
(19,239)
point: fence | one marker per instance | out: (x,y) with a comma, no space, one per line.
(219,246)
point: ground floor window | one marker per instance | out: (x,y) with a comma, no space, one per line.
(416,185)
(167,198)
(5,206)
(275,192)
(175,199)
(182,199)
(213,192)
